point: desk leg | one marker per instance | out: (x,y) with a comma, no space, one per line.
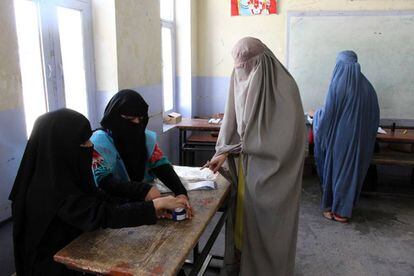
(206,249)
(184,144)
(180,148)
(412,176)
(205,264)
(196,253)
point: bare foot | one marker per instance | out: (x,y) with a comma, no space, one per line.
(328,215)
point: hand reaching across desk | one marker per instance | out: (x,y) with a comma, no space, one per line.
(215,163)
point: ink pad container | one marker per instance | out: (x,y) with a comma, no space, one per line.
(179,214)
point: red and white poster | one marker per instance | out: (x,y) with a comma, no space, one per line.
(253,7)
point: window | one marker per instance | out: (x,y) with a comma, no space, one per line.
(55,51)
(168,53)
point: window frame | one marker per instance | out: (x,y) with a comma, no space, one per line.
(170,24)
(50,51)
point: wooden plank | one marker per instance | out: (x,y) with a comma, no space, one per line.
(390,157)
(387,158)
(398,136)
(197,124)
(158,249)
(202,138)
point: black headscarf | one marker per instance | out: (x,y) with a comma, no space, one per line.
(129,137)
(54,166)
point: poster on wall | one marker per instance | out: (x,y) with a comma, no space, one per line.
(253,7)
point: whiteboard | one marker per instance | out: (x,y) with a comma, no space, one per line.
(383,41)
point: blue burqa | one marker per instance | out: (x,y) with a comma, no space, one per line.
(345,130)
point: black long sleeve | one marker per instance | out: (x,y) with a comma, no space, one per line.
(132,190)
(89,213)
(168,176)
(77,214)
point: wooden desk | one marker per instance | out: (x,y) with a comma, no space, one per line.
(397,136)
(201,141)
(197,124)
(158,249)
(388,156)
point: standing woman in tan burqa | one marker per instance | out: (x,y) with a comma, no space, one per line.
(264,123)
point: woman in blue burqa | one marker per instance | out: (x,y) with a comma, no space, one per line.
(345,130)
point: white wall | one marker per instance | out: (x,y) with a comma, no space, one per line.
(128,56)
(12,125)
(218,31)
(383,41)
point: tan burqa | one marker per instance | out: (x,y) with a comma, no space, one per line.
(264,120)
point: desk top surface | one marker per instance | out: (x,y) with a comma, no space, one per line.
(145,250)
(197,124)
(399,136)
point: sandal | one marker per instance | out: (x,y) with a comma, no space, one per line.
(328,215)
(340,219)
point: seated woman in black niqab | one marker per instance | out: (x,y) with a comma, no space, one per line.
(54,198)
(127,154)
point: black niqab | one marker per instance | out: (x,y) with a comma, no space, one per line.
(129,137)
(53,167)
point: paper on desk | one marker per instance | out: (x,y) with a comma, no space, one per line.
(201,185)
(194,174)
(381,130)
(214,121)
(192,178)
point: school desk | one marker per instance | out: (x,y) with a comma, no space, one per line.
(390,156)
(204,141)
(159,249)
(405,136)
(200,139)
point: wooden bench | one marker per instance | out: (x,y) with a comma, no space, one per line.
(402,135)
(391,157)
(394,158)
(385,157)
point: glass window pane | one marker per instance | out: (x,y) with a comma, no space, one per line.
(71,44)
(167,9)
(167,69)
(30,57)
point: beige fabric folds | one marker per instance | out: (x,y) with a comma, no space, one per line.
(264,119)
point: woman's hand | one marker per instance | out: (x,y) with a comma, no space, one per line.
(311,112)
(153,193)
(188,206)
(216,163)
(162,204)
